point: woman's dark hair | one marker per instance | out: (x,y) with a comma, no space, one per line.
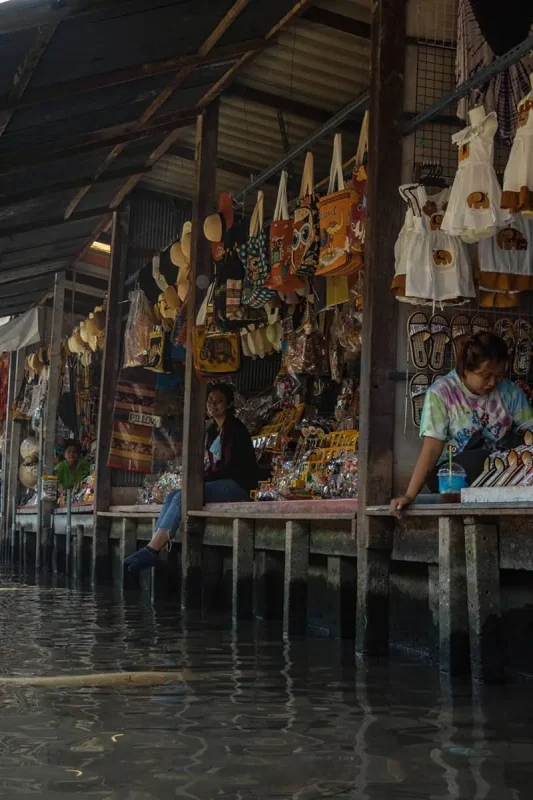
(476,350)
(225,389)
(73,443)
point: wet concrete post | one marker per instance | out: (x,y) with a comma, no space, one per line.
(242,581)
(268,576)
(484,610)
(453,613)
(296,578)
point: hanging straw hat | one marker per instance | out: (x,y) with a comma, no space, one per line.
(186,237)
(75,343)
(216,225)
(96,321)
(177,256)
(84,331)
(171,297)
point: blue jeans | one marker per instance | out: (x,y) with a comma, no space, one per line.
(225,491)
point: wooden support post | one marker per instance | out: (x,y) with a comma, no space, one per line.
(434,602)
(78,553)
(296,577)
(108,387)
(342,576)
(204,203)
(242,570)
(484,611)
(379,320)
(268,575)
(128,545)
(453,616)
(49,422)
(10,462)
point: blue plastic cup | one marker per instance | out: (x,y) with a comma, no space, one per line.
(450,484)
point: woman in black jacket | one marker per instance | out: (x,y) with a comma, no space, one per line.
(230,475)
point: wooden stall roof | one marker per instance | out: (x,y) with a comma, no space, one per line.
(318,65)
(92,94)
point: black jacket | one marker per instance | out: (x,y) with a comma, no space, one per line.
(238,456)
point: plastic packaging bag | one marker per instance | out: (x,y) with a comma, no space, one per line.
(138,328)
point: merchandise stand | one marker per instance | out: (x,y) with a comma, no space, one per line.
(435,581)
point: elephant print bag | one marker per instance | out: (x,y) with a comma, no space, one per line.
(254,256)
(335,210)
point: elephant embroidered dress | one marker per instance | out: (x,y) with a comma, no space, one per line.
(518,180)
(473,211)
(431,266)
(506,262)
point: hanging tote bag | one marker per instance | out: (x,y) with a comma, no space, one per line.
(254,256)
(280,278)
(214,353)
(335,211)
(306,227)
(359,182)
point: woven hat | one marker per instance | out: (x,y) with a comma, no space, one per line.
(96,321)
(171,296)
(84,331)
(216,225)
(177,256)
(186,237)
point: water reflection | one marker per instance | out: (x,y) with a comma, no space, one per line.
(264,718)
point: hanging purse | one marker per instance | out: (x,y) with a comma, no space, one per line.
(254,256)
(306,227)
(306,348)
(359,181)
(335,211)
(280,278)
(214,353)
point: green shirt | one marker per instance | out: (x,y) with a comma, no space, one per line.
(69,479)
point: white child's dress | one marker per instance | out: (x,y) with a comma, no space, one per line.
(474,211)
(431,266)
(517,192)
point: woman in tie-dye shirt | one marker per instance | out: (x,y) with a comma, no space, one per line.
(474,410)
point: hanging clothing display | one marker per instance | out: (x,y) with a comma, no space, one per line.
(473,211)
(505,264)
(486,31)
(431,265)
(517,192)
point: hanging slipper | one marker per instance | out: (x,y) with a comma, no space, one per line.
(460,326)
(522,329)
(439,329)
(505,330)
(522,356)
(480,324)
(418,388)
(418,333)
(436,377)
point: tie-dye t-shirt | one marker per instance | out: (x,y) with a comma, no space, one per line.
(453,414)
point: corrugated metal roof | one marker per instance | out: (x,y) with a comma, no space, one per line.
(311,71)
(85,101)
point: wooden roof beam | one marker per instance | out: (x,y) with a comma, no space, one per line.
(298,7)
(25,72)
(17,16)
(338,22)
(285,104)
(52,222)
(181,76)
(105,80)
(224,164)
(70,183)
(96,140)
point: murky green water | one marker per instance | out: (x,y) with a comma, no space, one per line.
(262,719)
